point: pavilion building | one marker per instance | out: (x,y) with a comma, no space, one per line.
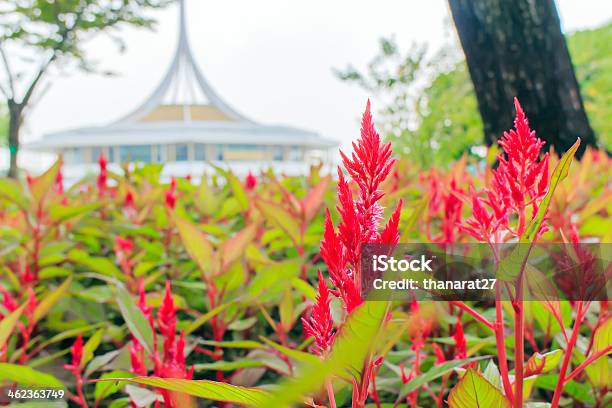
(185,124)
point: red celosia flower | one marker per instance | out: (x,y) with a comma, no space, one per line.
(367,167)
(440,358)
(77,354)
(520,181)
(123,245)
(320,324)
(250,181)
(103,175)
(171,194)
(27,275)
(333,253)
(128,201)
(166,320)
(460,343)
(32,303)
(142,300)
(137,358)
(59,182)
(7,300)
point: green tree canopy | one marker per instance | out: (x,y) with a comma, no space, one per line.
(430,110)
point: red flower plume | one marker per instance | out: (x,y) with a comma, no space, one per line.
(250,182)
(319,324)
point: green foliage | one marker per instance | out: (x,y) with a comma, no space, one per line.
(474,391)
(241,279)
(592,58)
(430,111)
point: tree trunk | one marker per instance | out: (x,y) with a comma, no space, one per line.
(516,48)
(15,119)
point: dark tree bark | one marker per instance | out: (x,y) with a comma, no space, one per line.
(516,48)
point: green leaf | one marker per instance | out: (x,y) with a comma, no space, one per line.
(433,373)
(578,391)
(101,265)
(134,319)
(91,346)
(491,374)
(42,184)
(314,199)
(600,370)
(245,344)
(297,355)
(50,300)
(197,245)
(543,363)
(474,391)
(100,361)
(280,218)
(558,175)
(228,365)
(25,375)
(12,191)
(62,213)
(414,217)
(105,388)
(232,249)
(205,317)
(211,390)
(352,346)
(238,190)
(7,325)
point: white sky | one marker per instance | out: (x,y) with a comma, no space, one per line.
(270,59)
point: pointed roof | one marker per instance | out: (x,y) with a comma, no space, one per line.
(184,108)
(186,87)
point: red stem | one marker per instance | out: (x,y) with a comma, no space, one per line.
(500,342)
(567,357)
(330,394)
(519,351)
(586,362)
(461,305)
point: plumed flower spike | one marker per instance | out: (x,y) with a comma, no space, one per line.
(460,343)
(77,354)
(103,175)
(320,325)
(520,181)
(167,320)
(369,165)
(250,182)
(370,162)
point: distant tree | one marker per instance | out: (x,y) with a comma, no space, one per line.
(516,48)
(427,106)
(52,34)
(443,111)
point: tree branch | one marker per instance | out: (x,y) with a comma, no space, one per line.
(9,74)
(54,53)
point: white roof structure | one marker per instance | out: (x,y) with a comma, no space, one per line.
(184,108)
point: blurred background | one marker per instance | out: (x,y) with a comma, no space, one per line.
(305,66)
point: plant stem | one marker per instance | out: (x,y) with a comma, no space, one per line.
(473,313)
(501,344)
(519,351)
(567,358)
(586,363)
(330,394)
